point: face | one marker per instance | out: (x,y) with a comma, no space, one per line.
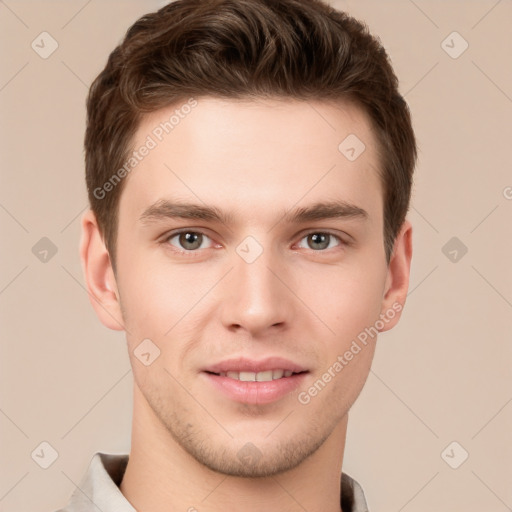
(279,266)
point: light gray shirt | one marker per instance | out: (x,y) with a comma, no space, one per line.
(99,488)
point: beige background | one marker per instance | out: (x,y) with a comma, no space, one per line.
(442,375)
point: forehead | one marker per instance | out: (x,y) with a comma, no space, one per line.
(252,152)
(207,118)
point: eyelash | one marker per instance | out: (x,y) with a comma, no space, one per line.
(196,252)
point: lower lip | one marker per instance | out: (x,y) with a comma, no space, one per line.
(256,392)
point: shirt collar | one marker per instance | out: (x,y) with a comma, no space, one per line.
(100,487)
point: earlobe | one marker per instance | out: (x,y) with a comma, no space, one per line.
(397,280)
(98,274)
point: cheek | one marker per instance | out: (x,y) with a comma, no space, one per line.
(156,295)
(167,304)
(347,300)
(350,306)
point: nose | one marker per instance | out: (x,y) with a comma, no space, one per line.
(257,298)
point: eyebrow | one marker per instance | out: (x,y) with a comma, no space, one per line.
(165,209)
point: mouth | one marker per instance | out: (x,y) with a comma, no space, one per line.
(255,382)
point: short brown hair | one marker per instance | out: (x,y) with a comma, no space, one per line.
(300,49)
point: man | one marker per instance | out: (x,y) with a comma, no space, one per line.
(249,167)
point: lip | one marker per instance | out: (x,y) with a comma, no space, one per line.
(242,364)
(253,392)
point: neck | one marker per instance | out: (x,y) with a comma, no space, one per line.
(162,476)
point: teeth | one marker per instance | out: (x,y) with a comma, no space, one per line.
(277,374)
(247,376)
(265,376)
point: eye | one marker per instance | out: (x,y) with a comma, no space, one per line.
(319,240)
(188,240)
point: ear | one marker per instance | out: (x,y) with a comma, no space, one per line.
(397,280)
(99,275)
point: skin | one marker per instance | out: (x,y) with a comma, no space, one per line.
(256,160)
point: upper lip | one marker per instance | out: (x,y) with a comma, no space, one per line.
(242,364)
